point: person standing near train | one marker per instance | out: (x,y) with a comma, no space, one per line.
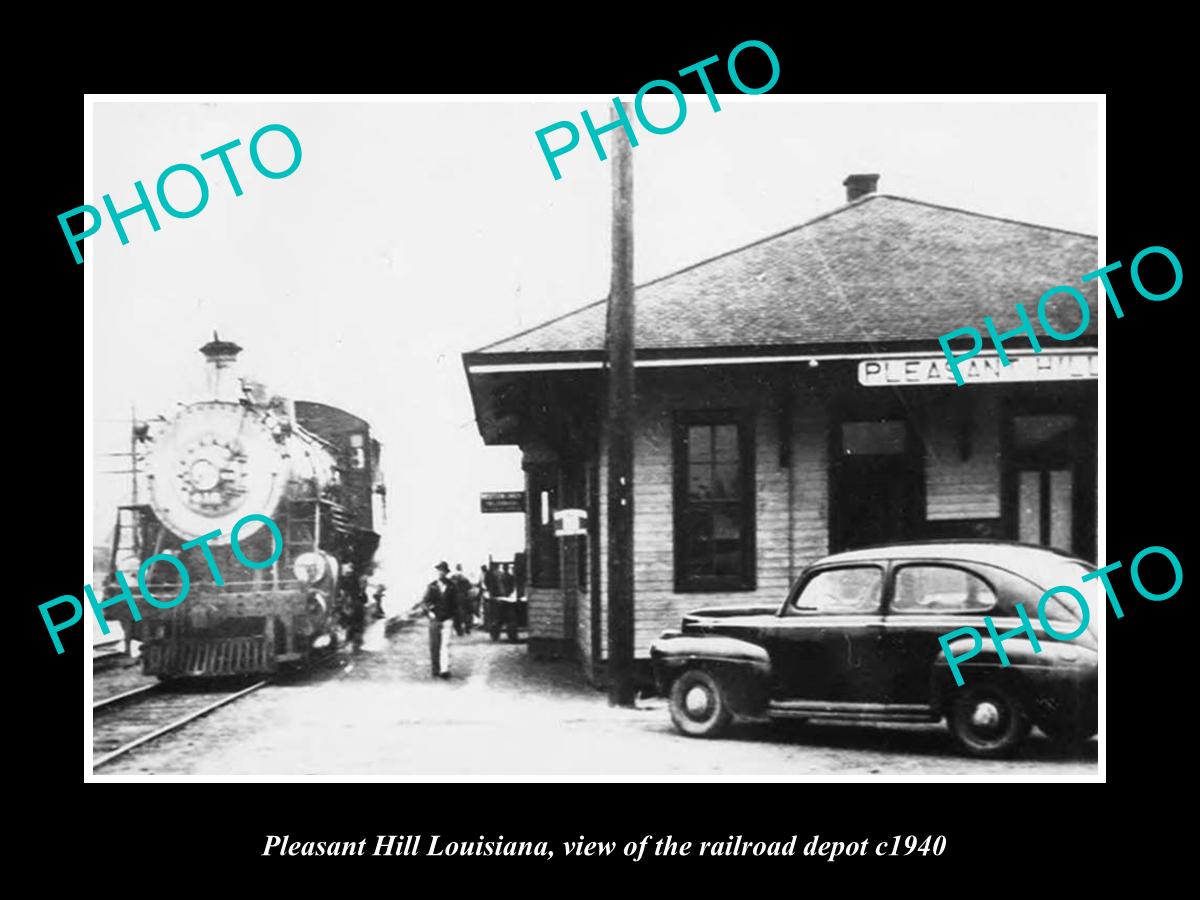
(358,612)
(462,586)
(481,594)
(491,599)
(353,605)
(377,610)
(440,606)
(507,606)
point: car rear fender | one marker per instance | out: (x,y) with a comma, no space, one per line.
(1030,675)
(741,668)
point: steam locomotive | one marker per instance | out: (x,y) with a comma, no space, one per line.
(312,468)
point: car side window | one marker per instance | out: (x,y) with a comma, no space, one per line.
(924,589)
(855,589)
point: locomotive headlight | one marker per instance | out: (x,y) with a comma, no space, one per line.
(309,567)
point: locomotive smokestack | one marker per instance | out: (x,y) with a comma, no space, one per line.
(221,357)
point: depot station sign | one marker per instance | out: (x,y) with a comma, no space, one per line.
(933,370)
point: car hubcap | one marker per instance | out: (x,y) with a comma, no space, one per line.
(986,716)
(697,702)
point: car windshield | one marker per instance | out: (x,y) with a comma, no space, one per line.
(850,589)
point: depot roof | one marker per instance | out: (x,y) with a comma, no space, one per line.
(880,272)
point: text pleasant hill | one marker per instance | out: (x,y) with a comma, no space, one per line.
(981,370)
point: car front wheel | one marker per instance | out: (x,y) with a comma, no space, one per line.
(699,707)
(987,721)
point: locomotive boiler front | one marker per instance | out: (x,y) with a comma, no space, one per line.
(230,456)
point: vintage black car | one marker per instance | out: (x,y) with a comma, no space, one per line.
(857,638)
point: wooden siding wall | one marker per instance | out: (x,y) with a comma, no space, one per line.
(657,605)
(956,488)
(545,613)
(583,629)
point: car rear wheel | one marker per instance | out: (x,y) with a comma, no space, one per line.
(987,720)
(698,704)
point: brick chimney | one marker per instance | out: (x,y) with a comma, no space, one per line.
(859,186)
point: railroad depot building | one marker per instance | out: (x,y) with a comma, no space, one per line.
(792,401)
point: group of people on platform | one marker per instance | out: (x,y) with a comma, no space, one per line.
(454,602)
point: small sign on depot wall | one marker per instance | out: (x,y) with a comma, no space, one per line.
(502,502)
(570,522)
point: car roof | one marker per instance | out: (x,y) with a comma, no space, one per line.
(1006,554)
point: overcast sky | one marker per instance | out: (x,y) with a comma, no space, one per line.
(412,232)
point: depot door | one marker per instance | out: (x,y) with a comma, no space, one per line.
(876,491)
(1043,480)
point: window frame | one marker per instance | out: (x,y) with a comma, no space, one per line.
(898,566)
(843,411)
(1079,454)
(744,420)
(791,609)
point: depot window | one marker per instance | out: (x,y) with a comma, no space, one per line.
(714,501)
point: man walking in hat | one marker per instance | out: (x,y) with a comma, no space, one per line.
(440,605)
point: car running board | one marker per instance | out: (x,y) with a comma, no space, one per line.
(819,709)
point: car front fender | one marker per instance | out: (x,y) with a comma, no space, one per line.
(743,669)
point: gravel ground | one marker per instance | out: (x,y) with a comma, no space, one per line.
(503,713)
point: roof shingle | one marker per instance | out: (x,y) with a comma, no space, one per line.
(880,270)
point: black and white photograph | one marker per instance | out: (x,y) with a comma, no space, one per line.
(451,438)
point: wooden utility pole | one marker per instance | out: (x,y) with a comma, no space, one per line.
(620,351)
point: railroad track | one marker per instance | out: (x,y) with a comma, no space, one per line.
(135,718)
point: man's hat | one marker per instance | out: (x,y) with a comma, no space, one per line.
(442,567)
